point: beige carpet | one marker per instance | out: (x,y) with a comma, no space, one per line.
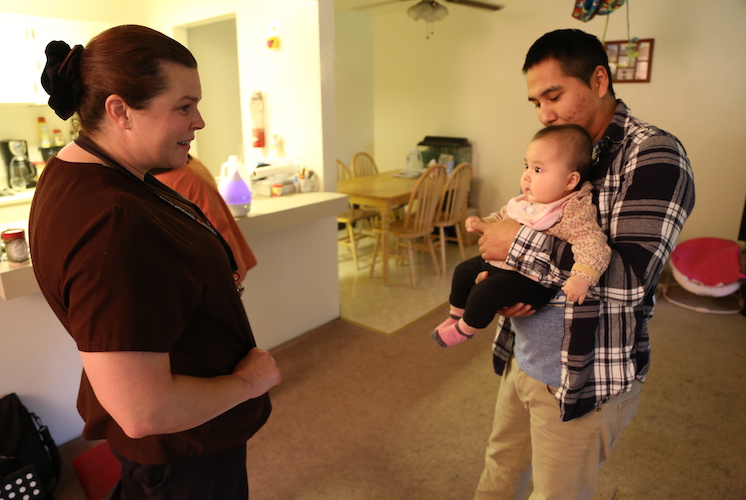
(366,417)
(363,416)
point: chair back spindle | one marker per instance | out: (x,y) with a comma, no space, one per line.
(363,164)
(354,216)
(453,205)
(424,200)
(343,173)
(419,219)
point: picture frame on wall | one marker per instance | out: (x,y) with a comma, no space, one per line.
(631,61)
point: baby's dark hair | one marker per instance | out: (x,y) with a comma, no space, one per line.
(577,141)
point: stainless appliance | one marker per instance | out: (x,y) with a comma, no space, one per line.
(19,172)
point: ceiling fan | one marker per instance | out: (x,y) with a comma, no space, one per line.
(466,3)
(430,10)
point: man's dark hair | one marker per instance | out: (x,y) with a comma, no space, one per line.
(577,53)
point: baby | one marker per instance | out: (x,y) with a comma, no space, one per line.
(557,200)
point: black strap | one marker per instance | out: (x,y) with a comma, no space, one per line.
(50,445)
(171,197)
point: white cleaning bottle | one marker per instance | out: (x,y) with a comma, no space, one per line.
(233,188)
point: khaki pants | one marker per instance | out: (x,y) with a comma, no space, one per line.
(528,437)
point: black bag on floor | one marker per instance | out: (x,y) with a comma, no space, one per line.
(29,458)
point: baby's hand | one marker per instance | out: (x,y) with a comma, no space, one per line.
(576,289)
(472,224)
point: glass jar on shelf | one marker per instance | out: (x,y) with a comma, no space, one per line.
(16,247)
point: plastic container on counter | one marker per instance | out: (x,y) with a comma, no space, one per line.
(16,246)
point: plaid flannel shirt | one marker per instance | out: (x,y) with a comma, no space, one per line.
(644,190)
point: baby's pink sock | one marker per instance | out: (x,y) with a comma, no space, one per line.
(453,334)
(454,314)
(452,318)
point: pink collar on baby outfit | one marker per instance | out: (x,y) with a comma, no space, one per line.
(537,216)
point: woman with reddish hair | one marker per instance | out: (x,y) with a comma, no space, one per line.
(172,376)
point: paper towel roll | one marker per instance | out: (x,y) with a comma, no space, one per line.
(272,170)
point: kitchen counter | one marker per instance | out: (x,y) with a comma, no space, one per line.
(17,280)
(17,199)
(15,207)
(273,214)
(267,215)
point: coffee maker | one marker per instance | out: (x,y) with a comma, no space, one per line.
(19,172)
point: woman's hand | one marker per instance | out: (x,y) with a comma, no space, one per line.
(259,369)
(145,398)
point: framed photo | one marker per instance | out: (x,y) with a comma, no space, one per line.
(630,60)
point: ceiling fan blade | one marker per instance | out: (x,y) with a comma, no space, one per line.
(378,4)
(474,3)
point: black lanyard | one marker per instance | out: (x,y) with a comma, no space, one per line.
(171,197)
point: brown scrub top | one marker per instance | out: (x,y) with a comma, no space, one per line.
(124,270)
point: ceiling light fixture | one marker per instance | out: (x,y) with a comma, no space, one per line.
(429,11)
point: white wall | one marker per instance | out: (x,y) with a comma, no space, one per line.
(354,81)
(215,47)
(100,10)
(466,81)
(285,292)
(39,362)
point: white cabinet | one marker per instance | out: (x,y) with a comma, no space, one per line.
(27,37)
(16,84)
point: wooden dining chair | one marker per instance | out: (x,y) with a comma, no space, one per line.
(452,209)
(355,216)
(417,221)
(343,173)
(363,164)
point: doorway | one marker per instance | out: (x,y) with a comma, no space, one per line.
(215,46)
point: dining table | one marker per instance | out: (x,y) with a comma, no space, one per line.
(385,191)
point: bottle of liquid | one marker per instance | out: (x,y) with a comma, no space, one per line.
(233,188)
(59,140)
(447,160)
(43,133)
